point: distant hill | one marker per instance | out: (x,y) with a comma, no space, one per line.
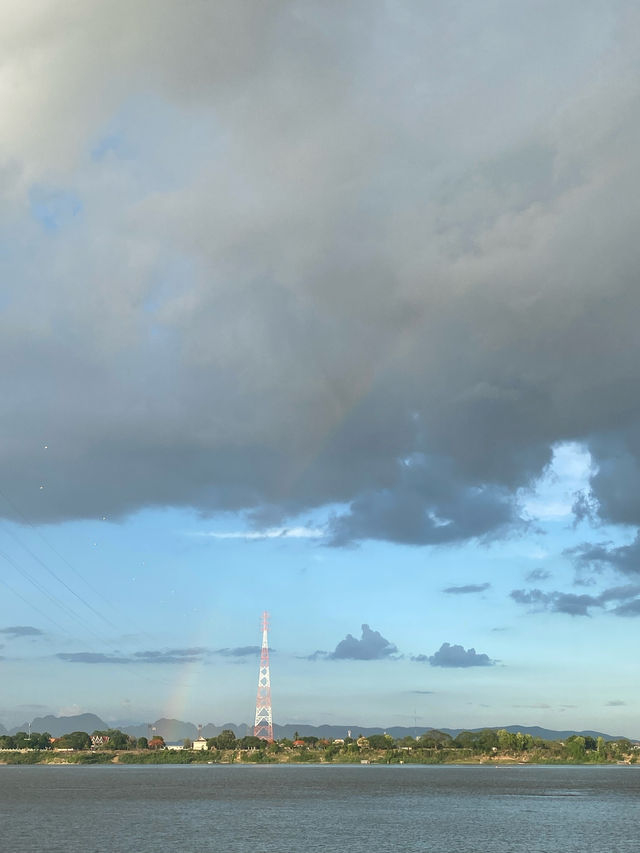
(175,731)
(58,726)
(398,732)
(549,734)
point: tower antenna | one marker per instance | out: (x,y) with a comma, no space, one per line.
(263,727)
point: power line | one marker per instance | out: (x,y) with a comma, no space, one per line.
(58,578)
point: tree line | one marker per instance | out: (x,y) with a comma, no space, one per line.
(432,746)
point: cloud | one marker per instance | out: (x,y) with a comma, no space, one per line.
(469,588)
(455,656)
(170,656)
(538,575)
(167,656)
(240,651)
(594,557)
(218,202)
(15,631)
(271,533)
(615,703)
(628,608)
(371,646)
(582,605)
(319,654)
(91,657)
(584,508)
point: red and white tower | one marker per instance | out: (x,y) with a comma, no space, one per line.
(263,726)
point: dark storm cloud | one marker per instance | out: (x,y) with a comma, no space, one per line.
(342,275)
(594,557)
(14,631)
(427,504)
(584,508)
(582,605)
(371,646)
(468,588)
(456,656)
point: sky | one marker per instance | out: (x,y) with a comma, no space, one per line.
(327,309)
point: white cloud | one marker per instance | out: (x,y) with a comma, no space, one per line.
(271,533)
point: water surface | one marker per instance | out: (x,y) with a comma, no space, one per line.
(334,809)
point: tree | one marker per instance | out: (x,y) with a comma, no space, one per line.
(381,742)
(226,739)
(252,742)
(506,740)
(523,741)
(142,743)
(435,739)
(75,740)
(487,740)
(40,741)
(117,739)
(465,740)
(575,747)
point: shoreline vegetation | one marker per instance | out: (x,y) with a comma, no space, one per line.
(487,747)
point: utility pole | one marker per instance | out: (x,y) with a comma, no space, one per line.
(263,727)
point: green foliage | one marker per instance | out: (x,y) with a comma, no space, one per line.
(252,742)
(20,757)
(381,742)
(117,739)
(576,747)
(435,739)
(465,740)
(93,757)
(226,740)
(75,740)
(433,747)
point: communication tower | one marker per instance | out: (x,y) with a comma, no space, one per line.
(263,727)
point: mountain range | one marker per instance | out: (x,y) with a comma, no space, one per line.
(177,730)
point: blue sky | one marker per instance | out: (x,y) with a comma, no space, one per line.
(329,310)
(171,583)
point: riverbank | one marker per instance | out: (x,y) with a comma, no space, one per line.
(187,756)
